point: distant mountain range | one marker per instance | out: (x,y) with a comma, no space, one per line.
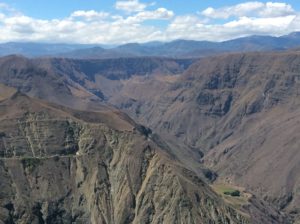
(176,49)
(39,49)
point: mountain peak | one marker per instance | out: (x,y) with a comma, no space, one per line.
(294,34)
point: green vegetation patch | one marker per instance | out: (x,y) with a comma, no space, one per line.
(227,190)
(234,193)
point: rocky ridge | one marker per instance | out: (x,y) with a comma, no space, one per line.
(195,112)
(59,165)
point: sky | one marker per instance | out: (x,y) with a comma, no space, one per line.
(128,21)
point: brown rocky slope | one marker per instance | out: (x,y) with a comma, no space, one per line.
(241,111)
(60,165)
(174,106)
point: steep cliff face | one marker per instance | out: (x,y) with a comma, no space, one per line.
(75,83)
(252,103)
(241,111)
(86,189)
(38,79)
(221,113)
(59,165)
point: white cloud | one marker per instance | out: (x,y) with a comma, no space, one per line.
(4,6)
(260,9)
(184,24)
(262,24)
(8,10)
(191,27)
(2,16)
(102,27)
(275,9)
(83,27)
(131,5)
(89,15)
(158,14)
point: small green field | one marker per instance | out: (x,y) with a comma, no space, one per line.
(228,190)
(235,196)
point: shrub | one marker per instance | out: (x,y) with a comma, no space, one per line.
(235,193)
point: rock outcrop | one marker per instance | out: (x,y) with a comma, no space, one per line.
(235,114)
(241,111)
(59,165)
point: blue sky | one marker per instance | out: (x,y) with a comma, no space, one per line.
(60,8)
(123,21)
